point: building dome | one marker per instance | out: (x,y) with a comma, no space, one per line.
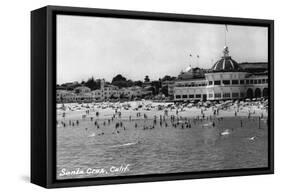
(226,63)
(191,73)
(189,68)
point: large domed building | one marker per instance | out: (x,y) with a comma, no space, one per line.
(226,63)
(226,79)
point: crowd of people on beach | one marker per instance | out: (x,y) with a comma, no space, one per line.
(119,123)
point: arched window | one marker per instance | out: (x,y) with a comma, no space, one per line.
(265,92)
(250,93)
(258,93)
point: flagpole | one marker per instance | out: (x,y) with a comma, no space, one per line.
(225,44)
(190,56)
(225,37)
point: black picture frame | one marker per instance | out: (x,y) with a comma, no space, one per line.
(43,99)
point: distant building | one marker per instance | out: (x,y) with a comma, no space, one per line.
(81,89)
(136,91)
(225,80)
(191,73)
(254,67)
(131,92)
(191,89)
(105,92)
(82,94)
(108,92)
(64,96)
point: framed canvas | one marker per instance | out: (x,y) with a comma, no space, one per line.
(127,96)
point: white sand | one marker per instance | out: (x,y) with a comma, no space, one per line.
(107,110)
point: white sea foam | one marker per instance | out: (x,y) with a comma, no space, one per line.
(92,135)
(207,124)
(123,145)
(226,132)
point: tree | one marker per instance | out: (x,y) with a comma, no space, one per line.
(118,77)
(92,84)
(156,85)
(146,79)
(130,83)
(70,86)
(164,90)
(138,83)
(168,78)
(119,81)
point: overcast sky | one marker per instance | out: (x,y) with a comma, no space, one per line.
(105,47)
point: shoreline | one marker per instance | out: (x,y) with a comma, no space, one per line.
(76,111)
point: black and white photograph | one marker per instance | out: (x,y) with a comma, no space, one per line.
(144,97)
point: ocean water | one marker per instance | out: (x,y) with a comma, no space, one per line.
(85,151)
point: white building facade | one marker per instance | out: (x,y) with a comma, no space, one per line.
(225,80)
